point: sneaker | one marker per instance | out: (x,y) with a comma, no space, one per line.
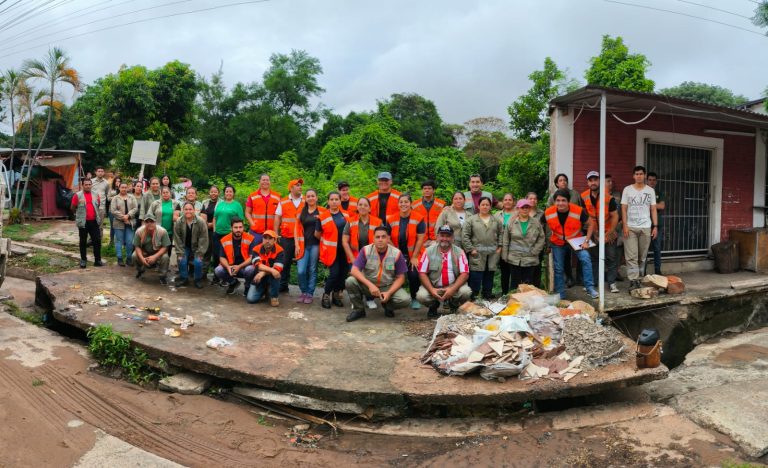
(326,301)
(129,262)
(301,298)
(184,282)
(99,263)
(614,288)
(199,284)
(83,264)
(274,302)
(120,262)
(308,298)
(415,305)
(336,299)
(214,280)
(355,315)
(593,293)
(232,287)
(389,312)
(139,272)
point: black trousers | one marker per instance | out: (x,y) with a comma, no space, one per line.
(412,276)
(289,247)
(506,276)
(524,275)
(93,230)
(337,273)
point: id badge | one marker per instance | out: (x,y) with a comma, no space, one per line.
(389,264)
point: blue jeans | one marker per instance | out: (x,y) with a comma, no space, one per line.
(246,273)
(656,249)
(307,269)
(258,289)
(558,254)
(124,237)
(197,262)
(481,282)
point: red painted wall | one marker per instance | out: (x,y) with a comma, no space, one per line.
(738,157)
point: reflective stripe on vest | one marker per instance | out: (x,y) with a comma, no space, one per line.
(572,228)
(413,222)
(329,245)
(290,215)
(263,215)
(227,245)
(592,210)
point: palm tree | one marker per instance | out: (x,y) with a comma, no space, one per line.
(11,79)
(27,101)
(53,69)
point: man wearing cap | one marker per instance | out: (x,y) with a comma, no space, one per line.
(384,202)
(443,271)
(268,260)
(260,208)
(151,243)
(476,192)
(285,223)
(429,208)
(235,259)
(378,272)
(348,202)
(593,199)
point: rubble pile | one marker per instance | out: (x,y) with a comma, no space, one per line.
(528,336)
(653,285)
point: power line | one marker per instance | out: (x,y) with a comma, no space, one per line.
(62,19)
(687,15)
(10,6)
(716,9)
(218,7)
(104,19)
(23,14)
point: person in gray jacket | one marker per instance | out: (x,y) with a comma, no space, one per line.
(481,240)
(124,209)
(190,235)
(522,243)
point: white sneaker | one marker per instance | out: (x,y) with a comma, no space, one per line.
(614,288)
(415,305)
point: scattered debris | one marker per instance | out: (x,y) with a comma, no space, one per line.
(299,437)
(218,342)
(296,315)
(598,345)
(172,332)
(647,292)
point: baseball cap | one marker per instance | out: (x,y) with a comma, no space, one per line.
(270,233)
(524,202)
(593,174)
(149,217)
(445,229)
(294,182)
(385,175)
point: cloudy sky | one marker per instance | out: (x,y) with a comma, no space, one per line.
(471,57)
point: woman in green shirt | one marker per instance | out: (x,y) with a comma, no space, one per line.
(522,242)
(166,211)
(507,213)
(222,219)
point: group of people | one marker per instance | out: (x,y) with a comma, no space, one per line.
(374,247)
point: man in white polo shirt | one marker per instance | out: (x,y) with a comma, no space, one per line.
(638,208)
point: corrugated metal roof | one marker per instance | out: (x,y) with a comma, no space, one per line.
(620,99)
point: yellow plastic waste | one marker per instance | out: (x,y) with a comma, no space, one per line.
(492,327)
(546,341)
(511,309)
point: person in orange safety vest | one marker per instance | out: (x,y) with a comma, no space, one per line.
(384,201)
(329,229)
(286,216)
(260,208)
(429,208)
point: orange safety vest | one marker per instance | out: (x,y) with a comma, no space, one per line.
(245,247)
(592,210)
(329,239)
(298,233)
(269,258)
(413,223)
(430,216)
(263,214)
(351,209)
(354,234)
(289,217)
(572,224)
(392,203)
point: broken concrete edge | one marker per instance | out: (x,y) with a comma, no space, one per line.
(546,390)
(20,273)
(185,383)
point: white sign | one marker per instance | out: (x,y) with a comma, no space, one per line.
(145,152)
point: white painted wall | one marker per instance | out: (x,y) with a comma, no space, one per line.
(758,216)
(561,144)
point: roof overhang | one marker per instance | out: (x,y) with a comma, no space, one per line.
(622,101)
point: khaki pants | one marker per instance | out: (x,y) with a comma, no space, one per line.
(358,293)
(162,264)
(636,251)
(461,296)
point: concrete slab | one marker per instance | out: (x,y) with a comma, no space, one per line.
(186,383)
(737,410)
(301,349)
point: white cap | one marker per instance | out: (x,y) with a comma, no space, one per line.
(593,174)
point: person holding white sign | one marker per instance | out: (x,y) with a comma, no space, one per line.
(566,222)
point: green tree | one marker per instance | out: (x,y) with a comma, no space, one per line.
(702,92)
(448,166)
(418,120)
(9,85)
(54,69)
(490,149)
(291,83)
(761,14)
(526,169)
(529,118)
(615,67)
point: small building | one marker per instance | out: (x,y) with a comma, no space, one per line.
(756,105)
(52,170)
(711,160)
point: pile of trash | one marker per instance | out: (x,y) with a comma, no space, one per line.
(652,285)
(527,336)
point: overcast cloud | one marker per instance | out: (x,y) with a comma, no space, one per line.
(471,58)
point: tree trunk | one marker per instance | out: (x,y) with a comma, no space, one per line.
(42,140)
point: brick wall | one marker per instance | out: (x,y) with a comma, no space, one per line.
(738,158)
